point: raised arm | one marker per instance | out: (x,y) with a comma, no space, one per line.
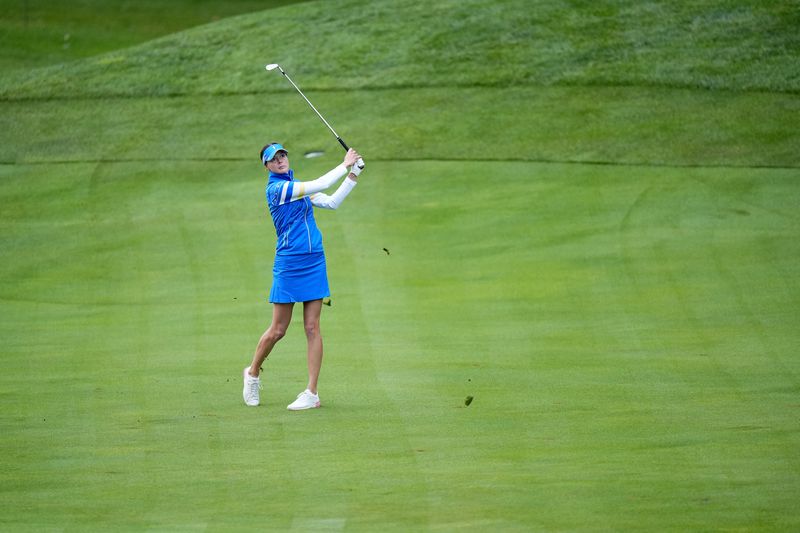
(334,200)
(294,190)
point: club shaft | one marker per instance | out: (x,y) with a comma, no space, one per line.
(344,145)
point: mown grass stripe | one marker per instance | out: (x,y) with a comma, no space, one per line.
(309,89)
(403,160)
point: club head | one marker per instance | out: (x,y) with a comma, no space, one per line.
(272,66)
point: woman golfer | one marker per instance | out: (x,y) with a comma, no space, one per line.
(299,273)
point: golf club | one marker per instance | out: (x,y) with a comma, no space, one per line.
(273,66)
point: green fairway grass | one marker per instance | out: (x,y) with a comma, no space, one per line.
(629,125)
(584,217)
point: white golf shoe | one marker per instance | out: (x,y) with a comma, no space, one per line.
(305,400)
(251,389)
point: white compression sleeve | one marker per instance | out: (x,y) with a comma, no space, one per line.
(294,190)
(335,200)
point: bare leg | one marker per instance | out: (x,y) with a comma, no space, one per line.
(281,316)
(311,314)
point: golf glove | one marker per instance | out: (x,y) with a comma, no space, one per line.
(358,167)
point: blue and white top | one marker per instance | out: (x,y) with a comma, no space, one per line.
(291,205)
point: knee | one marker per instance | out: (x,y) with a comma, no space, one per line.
(312,329)
(274,333)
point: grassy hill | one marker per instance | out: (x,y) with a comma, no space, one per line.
(35,33)
(351,45)
(583,215)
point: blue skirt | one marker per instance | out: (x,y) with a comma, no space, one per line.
(299,278)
